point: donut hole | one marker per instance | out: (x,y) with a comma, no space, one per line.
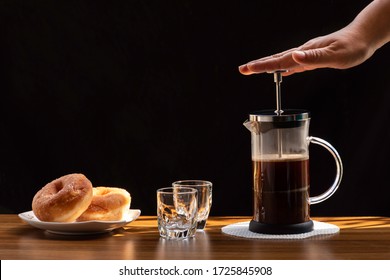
(58,186)
(104,191)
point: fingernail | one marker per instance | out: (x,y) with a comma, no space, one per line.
(242,67)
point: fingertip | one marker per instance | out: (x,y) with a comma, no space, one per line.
(243,69)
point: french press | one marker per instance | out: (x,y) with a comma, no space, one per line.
(280,164)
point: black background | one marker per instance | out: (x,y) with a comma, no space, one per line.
(137,94)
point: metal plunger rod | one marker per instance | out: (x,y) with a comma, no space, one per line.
(279,111)
(278,81)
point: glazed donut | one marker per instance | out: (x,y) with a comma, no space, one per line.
(108,204)
(64,199)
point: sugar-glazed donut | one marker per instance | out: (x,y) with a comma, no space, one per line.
(108,204)
(64,199)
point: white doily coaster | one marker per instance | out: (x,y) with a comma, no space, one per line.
(242,230)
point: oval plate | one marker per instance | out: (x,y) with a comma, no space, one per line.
(79,228)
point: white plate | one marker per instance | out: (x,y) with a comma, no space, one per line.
(79,228)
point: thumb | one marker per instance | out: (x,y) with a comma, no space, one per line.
(313,56)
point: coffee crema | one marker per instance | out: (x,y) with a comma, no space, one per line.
(281,189)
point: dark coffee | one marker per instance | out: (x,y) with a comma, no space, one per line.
(281,190)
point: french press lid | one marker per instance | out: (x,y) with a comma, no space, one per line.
(265,120)
(288,115)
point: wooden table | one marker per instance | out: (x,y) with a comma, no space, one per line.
(364,238)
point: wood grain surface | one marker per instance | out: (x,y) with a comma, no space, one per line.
(363,238)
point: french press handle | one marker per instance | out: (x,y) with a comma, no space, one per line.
(339,170)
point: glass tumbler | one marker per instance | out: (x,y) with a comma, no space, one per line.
(204,189)
(176,212)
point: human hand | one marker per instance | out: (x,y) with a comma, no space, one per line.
(340,50)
